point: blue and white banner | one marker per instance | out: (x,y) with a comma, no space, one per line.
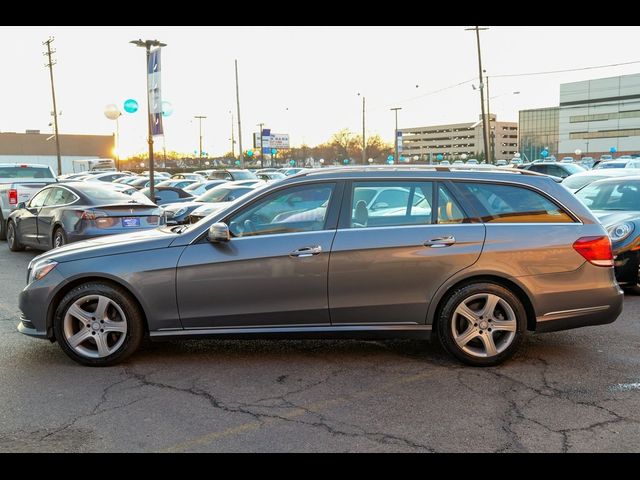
(155,94)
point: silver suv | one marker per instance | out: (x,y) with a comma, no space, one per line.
(473,257)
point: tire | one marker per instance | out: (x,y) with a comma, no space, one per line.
(12,238)
(3,228)
(475,336)
(101,343)
(59,238)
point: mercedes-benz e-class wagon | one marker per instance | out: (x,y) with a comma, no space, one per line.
(472,258)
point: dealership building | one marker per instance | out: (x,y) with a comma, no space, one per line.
(593,116)
(35,147)
(453,140)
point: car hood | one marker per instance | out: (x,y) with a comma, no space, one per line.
(609,218)
(111,245)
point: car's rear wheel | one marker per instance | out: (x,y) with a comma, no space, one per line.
(59,238)
(12,238)
(482,324)
(98,325)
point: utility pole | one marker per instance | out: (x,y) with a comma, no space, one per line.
(396,132)
(53,96)
(200,117)
(484,118)
(239,125)
(233,140)
(492,153)
(260,125)
(147,44)
(364,141)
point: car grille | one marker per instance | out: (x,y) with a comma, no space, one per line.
(27,323)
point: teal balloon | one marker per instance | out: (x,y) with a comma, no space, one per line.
(439,156)
(167,109)
(237,162)
(390,158)
(274,151)
(613,150)
(249,153)
(130,106)
(403,159)
(292,162)
(544,154)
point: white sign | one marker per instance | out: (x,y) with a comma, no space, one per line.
(279,140)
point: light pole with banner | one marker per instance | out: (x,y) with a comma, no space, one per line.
(395,109)
(154,99)
(112,112)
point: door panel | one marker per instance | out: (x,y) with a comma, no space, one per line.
(389,275)
(28,221)
(254,281)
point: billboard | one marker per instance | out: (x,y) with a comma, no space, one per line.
(271,140)
(279,140)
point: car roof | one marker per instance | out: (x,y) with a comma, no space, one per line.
(633,178)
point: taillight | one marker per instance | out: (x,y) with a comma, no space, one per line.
(92,215)
(13,196)
(153,219)
(597,250)
(106,222)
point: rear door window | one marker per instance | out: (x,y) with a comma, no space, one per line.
(512,204)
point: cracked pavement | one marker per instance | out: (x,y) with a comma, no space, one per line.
(573,391)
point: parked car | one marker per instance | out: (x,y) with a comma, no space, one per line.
(270,176)
(566,160)
(156,175)
(127,179)
(189,176)
(68,212)
(473,161)
(502,252)
(176,182)
(587,162)
(18,183)
(501,163)
(616,203)
(561,170)
(611,164)
(178,213)
(105,177)
(579,180)
(292,171)
(199,188)
(634,163)
(204,173)
(606,158)
(232,175)
(143,182)
(165,194)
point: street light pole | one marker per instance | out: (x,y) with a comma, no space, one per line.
(239,124)
(147,44)
(484,119)
(364,140)
(233,140)
(395,109)
(200,117)
(261,152)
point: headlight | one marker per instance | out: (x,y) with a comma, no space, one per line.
(620,231)
(40,270)
(180,211)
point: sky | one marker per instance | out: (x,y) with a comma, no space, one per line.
(303,81)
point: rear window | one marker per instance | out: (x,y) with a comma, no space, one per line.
(579,181)
(26,172)
(98,193)
(511,204)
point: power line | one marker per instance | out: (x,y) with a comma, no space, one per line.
(565,70)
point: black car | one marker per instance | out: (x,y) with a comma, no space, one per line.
(616,203)
(554,169)
(165,195)
(67,212)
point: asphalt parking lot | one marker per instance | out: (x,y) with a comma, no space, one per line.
(568,391)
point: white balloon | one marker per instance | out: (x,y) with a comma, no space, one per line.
(112,111)
(578,151)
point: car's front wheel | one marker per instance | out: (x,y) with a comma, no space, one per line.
(482,324)
(98,324)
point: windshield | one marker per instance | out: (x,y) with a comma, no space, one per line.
(220,194)
(244,175)
(623,195)
(578,181)
(25,172)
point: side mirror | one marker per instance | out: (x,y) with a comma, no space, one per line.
(218,233)
(21,205)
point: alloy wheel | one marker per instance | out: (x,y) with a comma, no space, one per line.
(484,325)
(95,326)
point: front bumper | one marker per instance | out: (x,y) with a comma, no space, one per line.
(26,327)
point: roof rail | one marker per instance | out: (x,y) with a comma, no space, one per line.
(436,168)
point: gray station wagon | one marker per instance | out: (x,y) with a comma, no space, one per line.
(474,258)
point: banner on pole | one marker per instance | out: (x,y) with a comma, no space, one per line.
(155,93)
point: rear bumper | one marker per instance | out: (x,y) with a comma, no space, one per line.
(93,233)
(580,317)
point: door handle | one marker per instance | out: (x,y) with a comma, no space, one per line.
(306,251)
(440,242)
